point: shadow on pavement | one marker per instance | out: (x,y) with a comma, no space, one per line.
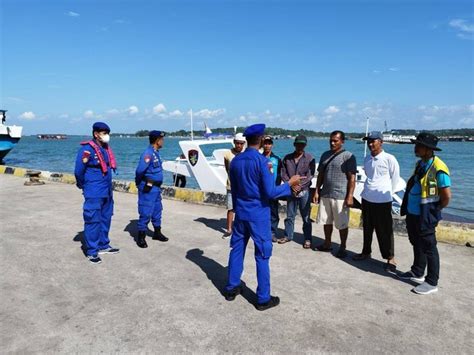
(216,224)
(217,273)
(79,237)
(372,265)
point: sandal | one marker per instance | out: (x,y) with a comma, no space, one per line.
(283,240)
(323,248)
(307,244)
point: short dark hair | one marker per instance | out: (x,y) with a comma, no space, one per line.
(341,134)
(153,139)
(252,140)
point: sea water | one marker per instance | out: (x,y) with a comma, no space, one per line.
(60,155)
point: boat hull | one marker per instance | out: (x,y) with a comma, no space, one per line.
(6,144)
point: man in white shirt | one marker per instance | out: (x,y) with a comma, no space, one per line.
(383,174)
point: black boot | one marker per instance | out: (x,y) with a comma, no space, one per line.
(159,236)
(141,242)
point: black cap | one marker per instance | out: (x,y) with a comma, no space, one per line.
(428,140)
(301,139)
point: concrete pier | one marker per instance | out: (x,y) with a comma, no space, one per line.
(167,298)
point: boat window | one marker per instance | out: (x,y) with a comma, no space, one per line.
(208,149)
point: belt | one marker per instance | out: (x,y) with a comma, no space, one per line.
(155,183)
(97,166)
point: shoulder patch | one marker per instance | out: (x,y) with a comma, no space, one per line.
(147,158)
(85,156)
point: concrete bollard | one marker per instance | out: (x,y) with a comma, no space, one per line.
(34,176)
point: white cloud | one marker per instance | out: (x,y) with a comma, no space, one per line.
(464,28)
(28,115)
(73,14)
(176,113)
(394,69)
(311,119)
(206,113)
(15,99)
(471,108)
(132,110)
(375,71)
(267,112)
(88,114)
(112,112)
(352,105)
(332,110)
(64,116)
(160,108)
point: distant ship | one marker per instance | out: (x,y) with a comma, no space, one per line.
(9,135)
(52,136)
(392,137)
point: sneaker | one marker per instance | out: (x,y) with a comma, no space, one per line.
(273,302)
(409,275)
(226,235)
(390,268)
(230,295)
(109,250)
(94,259)
(425,289)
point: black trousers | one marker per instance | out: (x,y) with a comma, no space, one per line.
(425,250)
(378,217)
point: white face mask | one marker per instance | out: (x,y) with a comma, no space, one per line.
(104,138)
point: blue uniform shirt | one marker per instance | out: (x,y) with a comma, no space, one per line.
(253,186)
(89,176)
(149,167)
(414,197)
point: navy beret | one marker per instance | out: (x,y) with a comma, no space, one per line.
(156,134)
(100,126)
(255,130)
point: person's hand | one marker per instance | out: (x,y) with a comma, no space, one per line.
(349,201)
(316,197)
(295,180)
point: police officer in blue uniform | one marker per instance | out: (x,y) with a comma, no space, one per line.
(253,188)
(149,177)
(94,164)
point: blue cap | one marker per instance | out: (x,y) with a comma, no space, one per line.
(156,134)
(100,126)
(373,136)
(255,130)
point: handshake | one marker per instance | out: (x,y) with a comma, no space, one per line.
(295,183)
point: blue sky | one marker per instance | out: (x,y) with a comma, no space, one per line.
(320,65)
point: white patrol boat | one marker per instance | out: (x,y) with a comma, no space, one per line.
(9,135)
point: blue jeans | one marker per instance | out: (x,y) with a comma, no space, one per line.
(304,205)
(275,217)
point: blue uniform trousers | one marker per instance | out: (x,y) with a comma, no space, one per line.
(97,214)
(149,208)
(260,233)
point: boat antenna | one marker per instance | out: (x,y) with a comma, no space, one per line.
(366,134)
(192,133)
(386,128)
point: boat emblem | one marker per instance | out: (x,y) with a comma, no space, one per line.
(193,156)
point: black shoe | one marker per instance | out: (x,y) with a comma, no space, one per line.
(230,295)
(94,259)
(159,236)
(273,302)
(141,242)
(341,254)
(109,250)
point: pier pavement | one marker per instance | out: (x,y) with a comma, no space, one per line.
(167,298)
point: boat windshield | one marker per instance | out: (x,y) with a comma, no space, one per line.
(208,149)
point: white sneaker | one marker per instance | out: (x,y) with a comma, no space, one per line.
(425,289)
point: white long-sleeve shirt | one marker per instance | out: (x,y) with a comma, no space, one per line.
(383,173)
